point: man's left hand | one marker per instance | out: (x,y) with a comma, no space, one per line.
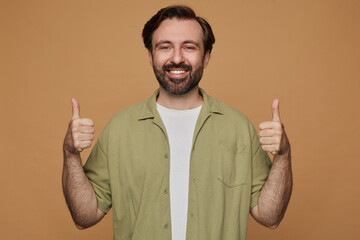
(272,134)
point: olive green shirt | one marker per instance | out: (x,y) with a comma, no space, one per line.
(129,169)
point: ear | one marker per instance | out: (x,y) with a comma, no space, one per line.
(206,58)
(150,57)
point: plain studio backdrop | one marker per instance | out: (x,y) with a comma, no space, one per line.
(306,53)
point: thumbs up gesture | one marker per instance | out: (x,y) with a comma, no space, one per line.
(272,134)
(80,132)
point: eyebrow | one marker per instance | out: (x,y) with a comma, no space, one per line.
(193,42)
(169,42)
(162,42)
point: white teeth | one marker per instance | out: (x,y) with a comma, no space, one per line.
(177,72)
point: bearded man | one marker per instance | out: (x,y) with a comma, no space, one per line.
(181,165)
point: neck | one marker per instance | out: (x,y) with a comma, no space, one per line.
(189,100)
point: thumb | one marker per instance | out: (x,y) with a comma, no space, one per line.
(275,111)
(75,108)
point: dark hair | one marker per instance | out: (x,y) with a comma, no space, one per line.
(180,12)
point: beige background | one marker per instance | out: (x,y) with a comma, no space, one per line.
(304,52)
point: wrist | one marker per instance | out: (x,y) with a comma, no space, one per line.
(285,152)
(69,149)
(284,155)
(71,154)
(285,148)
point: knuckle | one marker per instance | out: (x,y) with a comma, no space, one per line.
(76,143)
(87,144)
(75,122)
(75,136)
(88,121)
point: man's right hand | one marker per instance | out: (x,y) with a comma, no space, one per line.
(78,191)
(80,132)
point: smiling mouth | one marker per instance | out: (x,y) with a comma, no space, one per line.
(177,71)
(177,75)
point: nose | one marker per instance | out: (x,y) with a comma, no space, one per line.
(178,56)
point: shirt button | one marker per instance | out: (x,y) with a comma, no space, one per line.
(165,155)
(191,215)
(166,191)
(166,226)
(193,179)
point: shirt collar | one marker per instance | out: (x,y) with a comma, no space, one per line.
(149,110)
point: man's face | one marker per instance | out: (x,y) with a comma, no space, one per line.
(178,57)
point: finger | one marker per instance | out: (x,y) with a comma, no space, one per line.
(84,144)
(270,140)
(267,133)
(86,122)
(275,111)
(87,129)
(266,125)
(83,122)
(83,137)
(270,125)
(75,108)
(270,148)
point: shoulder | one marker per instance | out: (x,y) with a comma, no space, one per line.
(131,112)
(232,112)
(226,111)
(128,115)
(122,123)
(229,118)
(139,111)
(233,127)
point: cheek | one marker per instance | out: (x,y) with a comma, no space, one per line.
(196,61)
(159,60)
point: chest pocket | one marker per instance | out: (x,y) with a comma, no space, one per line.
(233,165)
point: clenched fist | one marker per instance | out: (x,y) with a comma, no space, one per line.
(272,134)
(80,132)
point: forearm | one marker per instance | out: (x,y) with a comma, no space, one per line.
(79,193)
(275,194)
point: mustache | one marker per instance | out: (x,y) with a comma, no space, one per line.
(180,65)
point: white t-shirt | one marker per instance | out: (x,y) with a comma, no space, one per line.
(180,127)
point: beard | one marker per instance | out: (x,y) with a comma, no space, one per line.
(178,86)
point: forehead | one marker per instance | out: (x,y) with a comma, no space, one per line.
(178,31)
